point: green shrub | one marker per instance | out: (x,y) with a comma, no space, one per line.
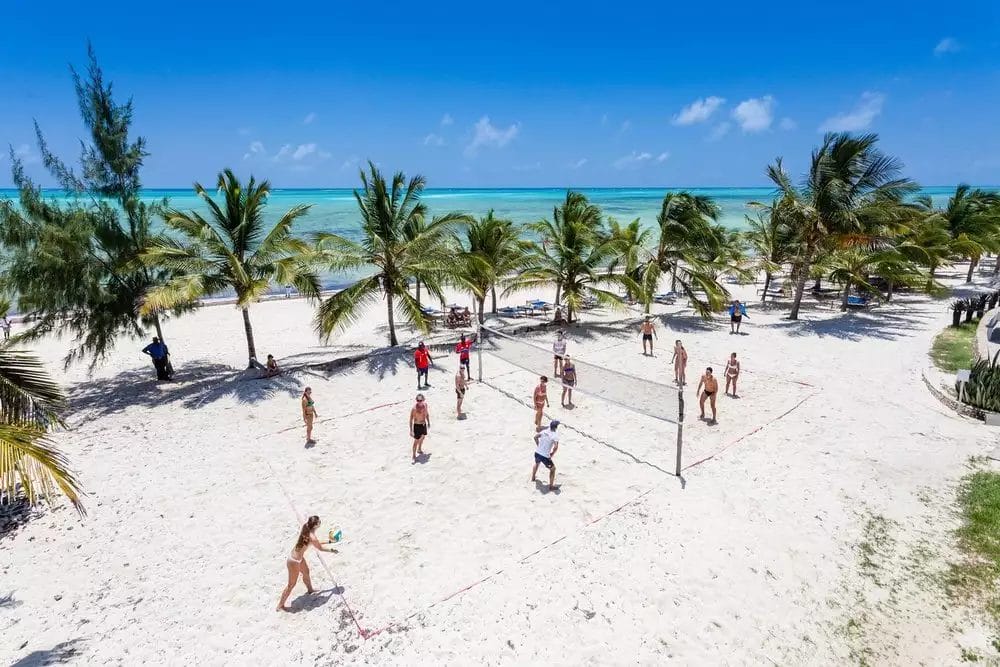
(983,388)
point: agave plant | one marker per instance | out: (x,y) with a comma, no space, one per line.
(983,388)
(957,306)
(994,296)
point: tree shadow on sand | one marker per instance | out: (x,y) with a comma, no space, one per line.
(196,385)
(60,653)
(880,323)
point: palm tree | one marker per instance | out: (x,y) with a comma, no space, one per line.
(771,239)
(850,184)
(575,257)
(396,243)
(633,243)
(972,221)
(853,267)
(688,246)
(231,250)
(492,253)
(29,405)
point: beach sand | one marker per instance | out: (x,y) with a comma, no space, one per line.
(197,489)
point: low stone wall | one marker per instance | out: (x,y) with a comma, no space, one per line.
(949,401)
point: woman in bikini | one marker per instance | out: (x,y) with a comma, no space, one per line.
(308,413)
(732,373)
(680,360)
(296,562)
(568,380)
(420,423)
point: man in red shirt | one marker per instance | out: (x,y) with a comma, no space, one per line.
(463,348)
(422,360)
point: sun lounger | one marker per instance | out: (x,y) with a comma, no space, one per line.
(509,311)
(666,298)
(858,302)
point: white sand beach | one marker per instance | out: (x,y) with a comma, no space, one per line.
(197,489)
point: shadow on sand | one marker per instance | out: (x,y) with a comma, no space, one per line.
(60,653)
(878,323)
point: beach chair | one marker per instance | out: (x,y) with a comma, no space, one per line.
(666,298)
(509,311)
(856,302)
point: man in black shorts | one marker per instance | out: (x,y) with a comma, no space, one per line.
(648,332)
(546,446)
(711,386)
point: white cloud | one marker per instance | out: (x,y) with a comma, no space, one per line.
(349,163)
(283,153)
(310,117)
(755,114)
(447,120)
(858,118)
(632,160)
(433,140)
(720,130)
(579,163)
(788,124)
(303,150)
(947,45)
(256,148)
(625,126)
(698,111)
(662,157)
(487,134)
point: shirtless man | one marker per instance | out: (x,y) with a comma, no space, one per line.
(732,373)
(711,389)
(680,362)
(648,333)
(420,423)
(460,386)
(558,352)
(541,399)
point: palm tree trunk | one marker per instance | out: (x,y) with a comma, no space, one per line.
(800,284)
(889,292)
(847,294)
(159,330)
(392,322)
(818,284)
(418,292)
(493,290)
(972,267)
(482,308)
(558,291)
(767,285)
(673,279)
(251,348)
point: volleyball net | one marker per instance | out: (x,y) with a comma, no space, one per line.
(645,397)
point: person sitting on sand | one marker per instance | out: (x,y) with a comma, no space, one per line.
(296,561)
(648,332)
(569,381)
(308,413)
(540,399)
(546,446)
(732,373)
(460,387)
(271,367)
(737,311)
(420,424)
(558,318)
(422,360)
(711,386)
(679,360)
(558,351)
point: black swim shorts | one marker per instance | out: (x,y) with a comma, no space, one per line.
(419,430)
(544,460)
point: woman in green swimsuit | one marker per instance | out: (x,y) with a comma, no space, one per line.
(308,413)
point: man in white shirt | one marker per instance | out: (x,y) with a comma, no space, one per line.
(558,352)
(546,446)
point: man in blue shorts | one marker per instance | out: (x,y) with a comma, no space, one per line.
(546,446)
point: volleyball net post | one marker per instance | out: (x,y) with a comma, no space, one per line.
(630,392)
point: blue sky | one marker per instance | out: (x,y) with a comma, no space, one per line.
(516,94)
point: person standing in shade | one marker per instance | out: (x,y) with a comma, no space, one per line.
(648,333)
(308,413)
(558,352)
(568,381)
(711,386)
(422,359)
(540,399)
(420,424)
(460,387)
(6,328)
(737,311)
(160,355)
(462,348)
(732,373)
(679,360)
(546,446)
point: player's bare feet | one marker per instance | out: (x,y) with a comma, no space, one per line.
(283,609)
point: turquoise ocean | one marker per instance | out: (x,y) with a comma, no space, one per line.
(335,210)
